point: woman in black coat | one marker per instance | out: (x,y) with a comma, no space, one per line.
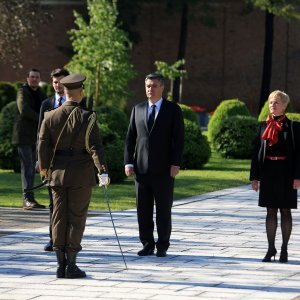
(275,170)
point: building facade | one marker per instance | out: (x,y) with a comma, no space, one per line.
(223,61)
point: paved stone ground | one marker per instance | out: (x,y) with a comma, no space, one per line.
(218,242)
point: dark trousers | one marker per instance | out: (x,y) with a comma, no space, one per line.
(158,189)
(27,154)
(70,207)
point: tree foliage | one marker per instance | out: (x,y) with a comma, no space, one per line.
(19,21)
(171,72)
(102,53)
(287,9)
(284,8)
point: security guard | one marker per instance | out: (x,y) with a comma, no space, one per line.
(69,147)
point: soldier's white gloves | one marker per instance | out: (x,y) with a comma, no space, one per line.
(104,180)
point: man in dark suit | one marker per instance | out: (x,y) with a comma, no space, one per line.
(29,99)
(69,147)
(153,152)
(50,103)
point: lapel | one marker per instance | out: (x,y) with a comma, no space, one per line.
(144,112)
(53,102)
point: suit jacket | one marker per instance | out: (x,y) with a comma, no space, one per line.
(27,118)
(292,150)
(70,170)
(155,151)
(47,104)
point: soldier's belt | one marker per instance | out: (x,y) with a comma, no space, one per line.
(70,152)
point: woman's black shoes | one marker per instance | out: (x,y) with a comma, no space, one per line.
(283,256)
(269,255)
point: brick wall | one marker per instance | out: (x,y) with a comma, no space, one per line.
(223,62)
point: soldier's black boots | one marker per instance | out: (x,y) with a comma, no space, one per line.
(72,270)
(61,264)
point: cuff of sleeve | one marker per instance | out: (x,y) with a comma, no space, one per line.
(129,166)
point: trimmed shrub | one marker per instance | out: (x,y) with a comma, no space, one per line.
(114,153)
(225,110)
(9,158)
(265,111)
(188,113)
(196,152)
(8,93)
(236,136)
(18,84)
(293,116)
(116,119)
(47,89)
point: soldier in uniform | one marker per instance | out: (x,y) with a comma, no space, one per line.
(69,147)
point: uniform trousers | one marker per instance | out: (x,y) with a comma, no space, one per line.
(27,154)
(70,207)
(159,189)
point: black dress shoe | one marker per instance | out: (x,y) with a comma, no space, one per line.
(161,253)
(147,250)
(49,246)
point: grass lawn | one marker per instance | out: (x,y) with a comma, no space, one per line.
(218,174)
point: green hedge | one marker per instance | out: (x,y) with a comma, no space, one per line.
(265,111)
(196,151)
(293,116)
(235,137)
(225,110)
(116,119)
(8,93)
(114,153)
(47,89)
(9,158)
(188,113)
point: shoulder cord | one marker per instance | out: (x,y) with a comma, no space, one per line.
(72,112)
(88,132)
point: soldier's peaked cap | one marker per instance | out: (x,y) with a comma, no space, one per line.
(73,81)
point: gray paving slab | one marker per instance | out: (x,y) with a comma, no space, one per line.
(218,241)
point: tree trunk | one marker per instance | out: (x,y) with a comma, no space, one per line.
(267,62)
(182,47)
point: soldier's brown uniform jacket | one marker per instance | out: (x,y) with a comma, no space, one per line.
(77,169)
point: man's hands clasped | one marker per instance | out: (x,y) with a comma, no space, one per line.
(104,180)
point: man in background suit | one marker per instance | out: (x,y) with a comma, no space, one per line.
(58,98)
(50,103)
(153,152)
(29,99)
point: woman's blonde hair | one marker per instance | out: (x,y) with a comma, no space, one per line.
(283,97)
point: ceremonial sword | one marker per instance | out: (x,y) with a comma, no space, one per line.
(112,220)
